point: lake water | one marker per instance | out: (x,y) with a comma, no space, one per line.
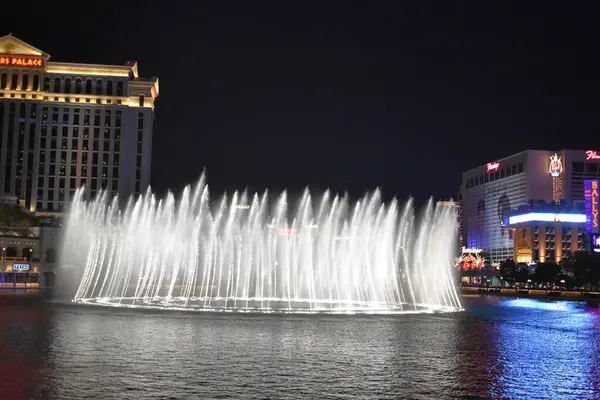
(498,348)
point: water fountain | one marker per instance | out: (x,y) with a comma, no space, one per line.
(246,253)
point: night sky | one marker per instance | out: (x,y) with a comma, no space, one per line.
(347,95)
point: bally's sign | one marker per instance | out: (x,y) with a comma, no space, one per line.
(21,61)
(20,267)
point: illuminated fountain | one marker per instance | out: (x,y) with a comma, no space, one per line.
(249,254)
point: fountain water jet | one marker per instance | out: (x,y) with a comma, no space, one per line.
(247,256)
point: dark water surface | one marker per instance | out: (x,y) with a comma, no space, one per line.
(499,348)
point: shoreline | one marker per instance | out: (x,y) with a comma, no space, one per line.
(541,294)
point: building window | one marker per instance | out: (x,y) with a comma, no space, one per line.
(14,80)
(25,82)
(46,84)
(591,168)
(36,82)
(3,81)
(88,86)
(78,86)
(99,87)
(119,88)
(141,100)
(57,85)
(520,168)
(68,85)
(109,88)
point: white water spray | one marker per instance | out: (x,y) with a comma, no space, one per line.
(252,255)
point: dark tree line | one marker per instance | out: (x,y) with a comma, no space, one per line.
(581,269)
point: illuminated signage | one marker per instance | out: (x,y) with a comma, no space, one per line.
(471,250)
(591,206)
(20,267)
(555,168)
(547,217)
(596,243)
(470,261)
(592,155)
(492,166)
(21,61)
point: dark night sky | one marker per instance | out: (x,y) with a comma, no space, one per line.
(345,95)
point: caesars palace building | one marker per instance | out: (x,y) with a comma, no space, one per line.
(489,193)
(66,125)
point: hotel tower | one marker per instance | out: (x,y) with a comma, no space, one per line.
(491,193)
(66,125)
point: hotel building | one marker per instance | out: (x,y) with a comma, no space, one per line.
(66,125)
(546,233)
(28,257)
(489,193)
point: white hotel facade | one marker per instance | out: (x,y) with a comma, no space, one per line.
(66,125)
(490,191)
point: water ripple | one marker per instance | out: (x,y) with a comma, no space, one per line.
(497,349)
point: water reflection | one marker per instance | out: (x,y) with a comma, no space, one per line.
(24,337)
(499,348)
(539,349)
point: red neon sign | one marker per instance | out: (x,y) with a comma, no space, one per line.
(21,61)
(592,155)
(492,166)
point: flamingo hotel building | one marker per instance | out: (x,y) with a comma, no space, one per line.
(533,206)
(67,125)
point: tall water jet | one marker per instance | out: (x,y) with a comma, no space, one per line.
(249,254)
